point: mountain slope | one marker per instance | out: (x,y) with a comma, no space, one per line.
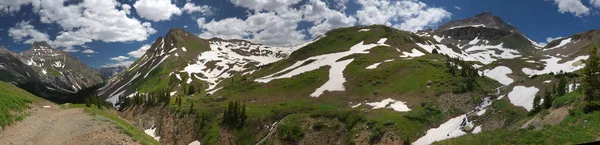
(59,69)
(181,59)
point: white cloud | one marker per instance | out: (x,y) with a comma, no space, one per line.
(156,10)
(407,15)
(23,31)
(126,8)
(595,3)
(119,58)
(324,18)
(265,4)
(88,51)
(139,52)
(70,49)
(458,8)
(12,6)
(572,6)
(191,8)
(278,26)
(550,39)
(88,21)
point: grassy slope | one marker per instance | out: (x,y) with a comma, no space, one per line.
(403,79)
(13,102)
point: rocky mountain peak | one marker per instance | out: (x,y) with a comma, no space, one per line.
(485,19)
(42,45)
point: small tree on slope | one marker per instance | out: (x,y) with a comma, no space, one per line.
(591,83)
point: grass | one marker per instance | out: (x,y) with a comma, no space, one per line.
(13,103)
(125,128)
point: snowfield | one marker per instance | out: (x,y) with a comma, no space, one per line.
(414,53)
(336,78)
(500,74)
(562,43)
(523,96)
(455,27)
(396,105)
(553,65)
(449,129)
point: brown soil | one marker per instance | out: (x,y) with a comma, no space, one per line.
(556,116)
(55,126)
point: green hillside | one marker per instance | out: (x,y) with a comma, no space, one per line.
(13,103)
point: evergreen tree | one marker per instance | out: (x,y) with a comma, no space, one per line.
(562,86)
(591,82)
(547,99)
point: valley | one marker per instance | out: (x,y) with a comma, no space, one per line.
(477,80)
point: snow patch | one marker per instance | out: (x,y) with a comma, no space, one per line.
(396,105)
(364,30)
(152,132)
(455,27)
(561,44)
(335,73)
(414,53)
(196,142)
(552,65)
(449,129)
(500,74)
(523,96)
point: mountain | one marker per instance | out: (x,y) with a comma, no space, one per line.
(60,69)
(181,58)
(354,85)
(48,73)
(111,71)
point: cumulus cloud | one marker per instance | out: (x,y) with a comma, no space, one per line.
(88,51)
(276,25)
(192,8)
(12,6)
(595,3)
(126,8)
(90,20)
(407,15)
(156,10)
(573,6)
(23,31)
(70,49)
(139,52)
(119,58)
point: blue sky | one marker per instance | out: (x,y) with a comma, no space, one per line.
(109,32)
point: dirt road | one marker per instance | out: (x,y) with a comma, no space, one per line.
(55,126)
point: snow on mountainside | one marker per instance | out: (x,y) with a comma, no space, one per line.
(190,60)
(59,68)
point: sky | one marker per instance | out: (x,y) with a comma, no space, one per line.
(116,32)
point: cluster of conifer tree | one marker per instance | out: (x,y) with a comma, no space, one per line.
(156,98)
(558,89)
(96,101)
(235,115)
(591,82)
(465,71)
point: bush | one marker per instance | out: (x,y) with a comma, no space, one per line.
(291,132)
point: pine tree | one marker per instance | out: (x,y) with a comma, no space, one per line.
(591,82)
(562,86)
(243,116)
(547,99)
